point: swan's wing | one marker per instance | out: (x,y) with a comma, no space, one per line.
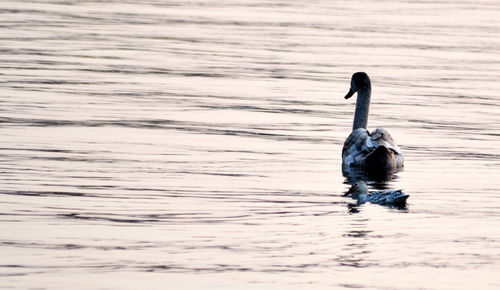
(355,141)
(361,143)
(354,146)
(380,137)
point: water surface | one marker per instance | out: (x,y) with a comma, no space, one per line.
(188,145)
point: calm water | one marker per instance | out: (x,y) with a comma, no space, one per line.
(196,145)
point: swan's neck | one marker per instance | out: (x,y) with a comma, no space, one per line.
(362,108)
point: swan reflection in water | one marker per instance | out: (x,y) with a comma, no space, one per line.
(378,178)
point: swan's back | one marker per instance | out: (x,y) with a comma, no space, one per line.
(371,151)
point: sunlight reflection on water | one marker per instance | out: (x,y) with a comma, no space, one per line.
(199,143)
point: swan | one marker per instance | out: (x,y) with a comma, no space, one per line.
(372,152)
(359,191)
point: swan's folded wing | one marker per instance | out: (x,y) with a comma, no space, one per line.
(354,147)
(380,137)
(355,142)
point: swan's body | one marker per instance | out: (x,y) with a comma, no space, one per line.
(374,151)
(359,191)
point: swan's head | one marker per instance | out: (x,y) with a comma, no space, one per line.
(357,189)
(359,82)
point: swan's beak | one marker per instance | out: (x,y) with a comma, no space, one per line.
(349,94)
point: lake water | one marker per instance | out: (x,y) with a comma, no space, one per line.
(197,145)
